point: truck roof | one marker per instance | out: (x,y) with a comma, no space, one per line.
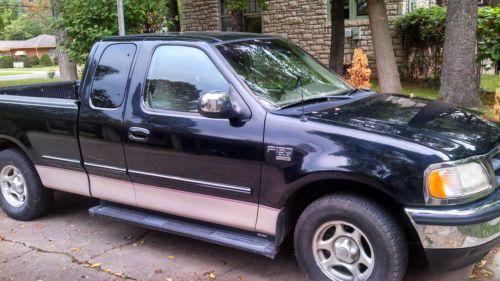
(208,37)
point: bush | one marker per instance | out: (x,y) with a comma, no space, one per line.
(359,72)
(27,62)
(34,60)
(56,60)
(423,35)
(6,62)
(45,60)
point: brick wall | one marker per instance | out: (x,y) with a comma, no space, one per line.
(200,15)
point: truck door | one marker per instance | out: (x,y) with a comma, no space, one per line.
(101,121)
(180,162)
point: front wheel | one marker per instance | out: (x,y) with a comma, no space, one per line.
(344,237)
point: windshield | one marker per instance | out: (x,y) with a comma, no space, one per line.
(280,73)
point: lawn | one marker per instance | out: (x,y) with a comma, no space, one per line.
(489,83)
(7,73)
(27,81)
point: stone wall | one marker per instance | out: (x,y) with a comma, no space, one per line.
(200,15)
(306,23)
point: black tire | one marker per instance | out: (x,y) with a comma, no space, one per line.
(38,199)
(387,239)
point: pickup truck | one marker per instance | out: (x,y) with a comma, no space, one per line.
(244,140)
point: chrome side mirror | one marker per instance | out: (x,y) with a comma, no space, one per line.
(216,104)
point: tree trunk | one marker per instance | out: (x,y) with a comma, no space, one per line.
(388,74)
(337,37)
(67,68)
(173,14)
(458,76)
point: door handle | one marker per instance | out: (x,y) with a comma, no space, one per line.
(138,134)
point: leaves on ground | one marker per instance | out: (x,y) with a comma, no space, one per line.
(171,257)
(210,275)
(76,250)
(96,265)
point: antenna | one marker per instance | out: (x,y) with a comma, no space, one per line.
(303,118)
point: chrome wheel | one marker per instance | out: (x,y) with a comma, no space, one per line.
(343,252)
(13,186)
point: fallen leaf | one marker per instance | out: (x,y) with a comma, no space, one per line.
(76,250)
(119,274)
(96,265)
(171,257)
(142,242)
(241,277)
(135,244)
(211,275)
(169,279)
(107,270)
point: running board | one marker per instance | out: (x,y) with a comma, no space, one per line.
(221,236)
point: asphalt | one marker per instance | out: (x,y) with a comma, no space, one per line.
(68,244)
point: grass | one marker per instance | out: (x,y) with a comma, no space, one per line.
(29,70)
(7,73)
(27,81)
(489,83)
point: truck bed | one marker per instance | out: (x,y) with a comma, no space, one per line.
(58,90)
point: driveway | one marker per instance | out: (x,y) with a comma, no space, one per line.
(68,244)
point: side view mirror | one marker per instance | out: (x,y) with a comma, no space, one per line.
(220,105)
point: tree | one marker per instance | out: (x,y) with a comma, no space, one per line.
(359,72)
(10,11)
(173,16)
(337,37)
(28,26)
(67,67)
(387,69)
(459,72)
(84,22)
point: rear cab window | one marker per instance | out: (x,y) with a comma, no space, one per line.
(110,79)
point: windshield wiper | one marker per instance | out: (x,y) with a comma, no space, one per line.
(313,100)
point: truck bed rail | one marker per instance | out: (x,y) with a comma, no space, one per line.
(59,90)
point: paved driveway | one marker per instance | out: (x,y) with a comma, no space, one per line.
(68,244)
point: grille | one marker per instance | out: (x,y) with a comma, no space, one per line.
(58,90)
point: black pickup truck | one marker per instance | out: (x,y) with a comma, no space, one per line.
(243,140)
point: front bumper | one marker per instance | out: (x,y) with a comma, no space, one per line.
(454,237)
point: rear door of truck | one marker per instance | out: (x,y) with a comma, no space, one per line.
(101,120)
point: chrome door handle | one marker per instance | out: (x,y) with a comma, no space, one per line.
(138,134)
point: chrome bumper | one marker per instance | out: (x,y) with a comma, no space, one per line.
(458,228)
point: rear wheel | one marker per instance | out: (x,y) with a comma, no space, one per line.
(344,237)
(22,195)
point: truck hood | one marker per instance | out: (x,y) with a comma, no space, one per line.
(455,131)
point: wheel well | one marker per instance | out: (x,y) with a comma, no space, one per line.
(311,192)
(4,144)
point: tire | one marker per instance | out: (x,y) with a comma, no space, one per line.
(18,174)
(330,229)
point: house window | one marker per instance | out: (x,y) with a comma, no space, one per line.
(252,17)
(412,5)
(353,9)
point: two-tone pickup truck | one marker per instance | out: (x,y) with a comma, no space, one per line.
(244,139)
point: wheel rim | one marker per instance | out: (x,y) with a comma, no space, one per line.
(343,252)
(13,186)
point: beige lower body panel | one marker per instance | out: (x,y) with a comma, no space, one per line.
(218,210)
(64,180)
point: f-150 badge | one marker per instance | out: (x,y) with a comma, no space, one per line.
(282,153)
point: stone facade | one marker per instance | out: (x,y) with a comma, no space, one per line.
(305,22)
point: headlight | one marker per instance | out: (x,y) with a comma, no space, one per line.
(455,182)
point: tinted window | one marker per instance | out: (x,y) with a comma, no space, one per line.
(178,75)
(110,78)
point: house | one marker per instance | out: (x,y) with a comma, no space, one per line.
(36,46)
(305,22)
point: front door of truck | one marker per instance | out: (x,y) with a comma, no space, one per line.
(180,162)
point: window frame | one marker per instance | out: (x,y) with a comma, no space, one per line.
(245,14)
(168,112)
(353,11)
(127,84)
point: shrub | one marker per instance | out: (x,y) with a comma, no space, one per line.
(488,31)
(359,72)
(34,60)
(6,62)
(45,60)
(56,60)
(27,62)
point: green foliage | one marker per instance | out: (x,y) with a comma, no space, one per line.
(241,5)
(488,27)
(9,11)
(6,62)
(56,60)
(425,25)
(87,21)
(34,60)
(45,60)
(28,63)
(27,26)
